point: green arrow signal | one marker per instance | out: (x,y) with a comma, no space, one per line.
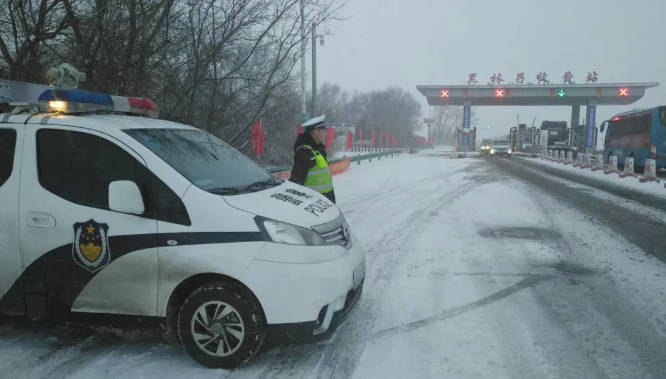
(561,93)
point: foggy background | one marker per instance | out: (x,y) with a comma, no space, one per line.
(426,42)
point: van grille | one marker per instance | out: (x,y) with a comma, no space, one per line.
(336,237)
(335,232)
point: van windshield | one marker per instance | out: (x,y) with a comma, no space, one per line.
(205,160)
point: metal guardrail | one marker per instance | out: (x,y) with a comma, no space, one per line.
(356,158)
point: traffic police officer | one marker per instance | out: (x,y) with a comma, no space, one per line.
(310,160)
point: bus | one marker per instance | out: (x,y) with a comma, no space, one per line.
(640,133)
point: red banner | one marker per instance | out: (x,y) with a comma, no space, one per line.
(284,175)
(340,166)
(330,137)
(262,142)
(372,141)
(360,134)
(258,138)
(299,129)
(395,142)
(350,139)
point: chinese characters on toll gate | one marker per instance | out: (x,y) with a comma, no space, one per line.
(541,77)
(520,77)
(567,77)
(497,78)
(591,78)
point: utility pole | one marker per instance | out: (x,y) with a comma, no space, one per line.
(314,71)
(303,108)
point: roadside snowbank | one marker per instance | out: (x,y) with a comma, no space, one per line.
(633,183)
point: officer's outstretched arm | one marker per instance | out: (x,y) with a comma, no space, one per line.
(303,162)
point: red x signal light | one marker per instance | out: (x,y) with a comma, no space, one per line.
(445,93)
(624,92)
(499,93)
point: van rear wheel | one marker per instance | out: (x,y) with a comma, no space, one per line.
(220,326)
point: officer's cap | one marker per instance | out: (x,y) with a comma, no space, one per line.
(314,123)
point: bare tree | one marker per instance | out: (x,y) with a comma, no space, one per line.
(25,26)
(447,120)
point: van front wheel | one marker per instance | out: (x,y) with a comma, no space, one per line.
(220,326)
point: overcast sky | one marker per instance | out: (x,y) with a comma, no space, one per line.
(438,42)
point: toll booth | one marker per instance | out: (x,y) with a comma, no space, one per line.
(472,140)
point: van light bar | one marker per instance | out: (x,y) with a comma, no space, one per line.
(79,101)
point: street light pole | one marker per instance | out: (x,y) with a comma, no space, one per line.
(314,71)
(303,108)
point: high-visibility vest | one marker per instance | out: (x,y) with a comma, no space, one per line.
(319,177)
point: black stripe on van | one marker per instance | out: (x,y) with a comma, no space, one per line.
(51,284)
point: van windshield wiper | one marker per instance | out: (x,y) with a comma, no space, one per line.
(259,185)
(225,191)
(262,184)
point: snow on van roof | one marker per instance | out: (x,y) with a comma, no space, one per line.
(120,122)
(94,121)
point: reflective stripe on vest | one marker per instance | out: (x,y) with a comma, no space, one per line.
(319,177)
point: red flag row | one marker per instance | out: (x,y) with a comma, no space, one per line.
(385,138)
(424,140)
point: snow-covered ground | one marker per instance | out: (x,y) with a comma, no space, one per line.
(471,274)
(628,182)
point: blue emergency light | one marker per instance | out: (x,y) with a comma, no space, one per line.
(80,101)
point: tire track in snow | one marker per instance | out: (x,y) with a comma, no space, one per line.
(528,331)
(351,207)
(337,360)
(607,327)
(346,350)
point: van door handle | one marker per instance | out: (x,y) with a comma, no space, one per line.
(41,220)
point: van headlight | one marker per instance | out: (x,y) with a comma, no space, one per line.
(281,232)
(492,151)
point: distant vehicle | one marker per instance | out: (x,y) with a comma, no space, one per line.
(640,133)
(556,131)
(485,146)
(556,136)
(500,147)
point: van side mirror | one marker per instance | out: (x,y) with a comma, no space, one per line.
(603,126)
(125,197)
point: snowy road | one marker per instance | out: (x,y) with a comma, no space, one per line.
(477,268)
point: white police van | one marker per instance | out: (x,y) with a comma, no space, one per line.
(105,210)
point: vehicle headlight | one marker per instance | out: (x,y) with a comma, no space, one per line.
(281,232)
(492,151)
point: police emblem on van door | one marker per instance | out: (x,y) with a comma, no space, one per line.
(91,245)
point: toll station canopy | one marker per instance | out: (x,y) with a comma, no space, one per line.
(535,94)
